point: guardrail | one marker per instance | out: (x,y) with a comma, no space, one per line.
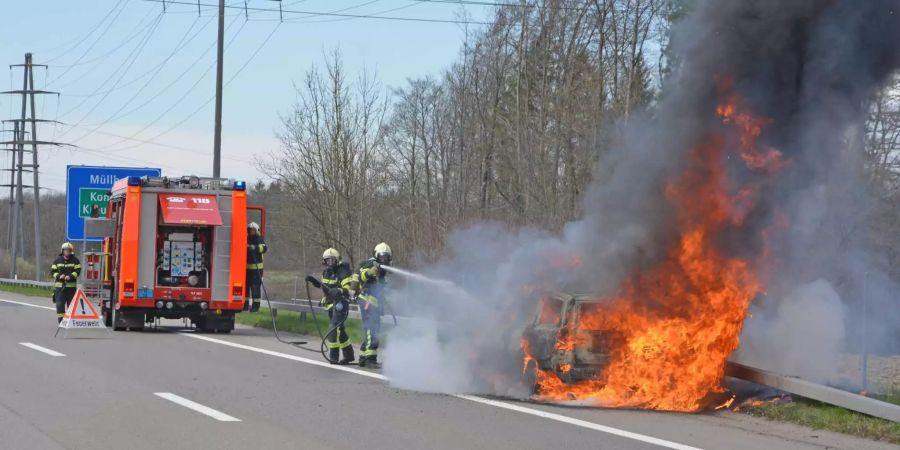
(26,283)
(302,306)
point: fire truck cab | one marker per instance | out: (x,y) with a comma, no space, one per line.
(177,249)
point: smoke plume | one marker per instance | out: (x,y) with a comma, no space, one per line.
(807,67)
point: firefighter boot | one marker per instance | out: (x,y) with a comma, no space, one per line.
(372,362)
(255,307)
(348,355)
(333,355)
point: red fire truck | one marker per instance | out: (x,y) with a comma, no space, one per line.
(176,249)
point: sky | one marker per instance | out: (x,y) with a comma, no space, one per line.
(137,84)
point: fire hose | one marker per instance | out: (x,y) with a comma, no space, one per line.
(272,313)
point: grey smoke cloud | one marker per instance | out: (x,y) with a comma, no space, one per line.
(809,67)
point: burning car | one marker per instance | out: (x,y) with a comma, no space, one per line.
(557,342)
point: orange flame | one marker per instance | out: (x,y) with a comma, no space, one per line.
(678,322)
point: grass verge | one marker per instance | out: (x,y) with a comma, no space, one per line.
(292,322)
(822,416)
(29,291)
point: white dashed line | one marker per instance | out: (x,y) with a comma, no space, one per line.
(41,349)
(218,415)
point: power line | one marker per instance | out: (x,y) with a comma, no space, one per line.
(208,100)
(91,47)
(137,93)
(200,108)
(511,5)
(159,144)
(135,53)
(146,74)
(180,98)
(342,19)
(138,30)
(318,13)
(90,32)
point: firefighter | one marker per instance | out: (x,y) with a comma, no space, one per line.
(337,278)
(65,271)
(372,286)
(256,248)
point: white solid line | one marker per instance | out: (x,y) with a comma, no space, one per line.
(28,304)
(41,349)
(218,415)
(471,398)
(578,422)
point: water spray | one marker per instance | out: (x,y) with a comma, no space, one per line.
(446,285)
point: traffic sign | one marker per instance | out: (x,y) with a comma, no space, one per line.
(80,314)
(87,186)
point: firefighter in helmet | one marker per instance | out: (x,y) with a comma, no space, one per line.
(256,248)
(336,284)
(65,271)
(372,286)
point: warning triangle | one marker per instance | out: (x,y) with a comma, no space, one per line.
(81,308)
(81,314)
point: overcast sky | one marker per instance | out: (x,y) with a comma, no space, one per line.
(137,84)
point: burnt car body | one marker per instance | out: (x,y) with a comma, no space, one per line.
(557,343)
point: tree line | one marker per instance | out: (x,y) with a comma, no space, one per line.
(509,132)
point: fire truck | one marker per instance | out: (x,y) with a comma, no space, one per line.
(176,248)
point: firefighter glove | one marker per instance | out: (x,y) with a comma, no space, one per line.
(354,283)
(313,281)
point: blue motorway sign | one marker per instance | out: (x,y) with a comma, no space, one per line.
(87,186)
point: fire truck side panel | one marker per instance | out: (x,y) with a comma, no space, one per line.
(221,254)
(238,249)
(147,250)
(131,228)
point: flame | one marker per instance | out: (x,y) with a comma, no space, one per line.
(565,367)
(727,403)
(677,323)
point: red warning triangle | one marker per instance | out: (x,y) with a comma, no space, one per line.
(81,308)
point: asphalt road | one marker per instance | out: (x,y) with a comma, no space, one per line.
(174,389)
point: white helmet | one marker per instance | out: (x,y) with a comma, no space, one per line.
(331,253)
(383,253)
(253,226)
(67,245)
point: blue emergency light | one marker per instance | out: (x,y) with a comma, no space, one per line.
(134,181)
(240,186)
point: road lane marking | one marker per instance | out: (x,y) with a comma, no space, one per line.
(471,398)
(578,422)
(218,415)
(41,349)
(27,304)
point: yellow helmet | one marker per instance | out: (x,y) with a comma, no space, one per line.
(331,253)
(383,249)
(67,245)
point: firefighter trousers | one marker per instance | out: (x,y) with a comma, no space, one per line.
(254,290)
(62,296)
(371,324)
(338,339)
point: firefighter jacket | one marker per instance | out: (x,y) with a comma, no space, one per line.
(256,248)
(372,282)
(63,267)
(337,277)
